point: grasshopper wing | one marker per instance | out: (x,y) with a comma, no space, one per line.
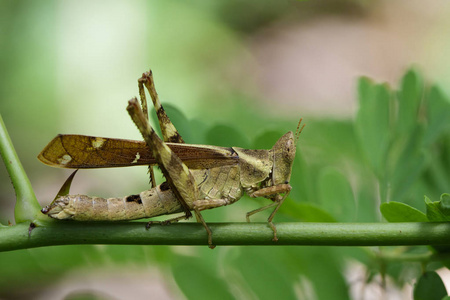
(86,152)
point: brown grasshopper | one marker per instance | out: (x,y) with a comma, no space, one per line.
(198,177)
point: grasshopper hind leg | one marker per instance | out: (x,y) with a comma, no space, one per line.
(175,171)
(177,174)
(168,130)
(200,205)
(200,219)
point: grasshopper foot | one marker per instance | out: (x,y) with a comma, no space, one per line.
(274,229)
(210,243)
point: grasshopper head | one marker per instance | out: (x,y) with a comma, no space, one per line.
(283,157)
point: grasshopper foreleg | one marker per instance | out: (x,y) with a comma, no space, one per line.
(276,190)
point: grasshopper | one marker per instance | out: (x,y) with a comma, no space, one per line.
(198,177)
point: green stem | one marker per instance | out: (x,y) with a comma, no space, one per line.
(134,233)
(27,207)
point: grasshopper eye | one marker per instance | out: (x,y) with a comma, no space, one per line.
(289,151)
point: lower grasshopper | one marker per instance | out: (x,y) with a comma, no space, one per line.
(198,177)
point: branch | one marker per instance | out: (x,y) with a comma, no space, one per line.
(134,233)
(27,207)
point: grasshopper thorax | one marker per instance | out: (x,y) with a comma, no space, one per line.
(283,153)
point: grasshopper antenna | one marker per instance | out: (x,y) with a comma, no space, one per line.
(299,130)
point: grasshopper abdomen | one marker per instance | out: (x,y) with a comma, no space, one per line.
(150,203)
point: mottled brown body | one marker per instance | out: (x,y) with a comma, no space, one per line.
(198,177)
(150,203)
(219,186)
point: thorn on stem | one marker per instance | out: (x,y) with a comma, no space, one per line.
(30,229)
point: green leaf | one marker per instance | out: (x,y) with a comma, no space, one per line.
(265,273)
(401,212)
(266,140)
(372,122)
(199,280)
(445,204)
(429,287)
(438,109)
(306,212)
(408,167)
(435,212)
(301,180)
(367,203)
(322,268)
(408,102)
(199,128)
(226,136)
(336,196)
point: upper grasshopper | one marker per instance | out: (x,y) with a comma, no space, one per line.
(198,177)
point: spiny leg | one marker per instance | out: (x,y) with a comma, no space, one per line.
(278,201)
(176,172)
(200,205)
(168,130)
(145,111)
(200,219)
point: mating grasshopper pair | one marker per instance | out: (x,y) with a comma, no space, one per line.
(198,177)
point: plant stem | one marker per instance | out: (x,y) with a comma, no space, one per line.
(27,207)
(134,233)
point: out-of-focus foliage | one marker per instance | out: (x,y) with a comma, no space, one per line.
(429,287)
(393,152)
(399,133)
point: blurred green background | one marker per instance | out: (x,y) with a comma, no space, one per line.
(232,73)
